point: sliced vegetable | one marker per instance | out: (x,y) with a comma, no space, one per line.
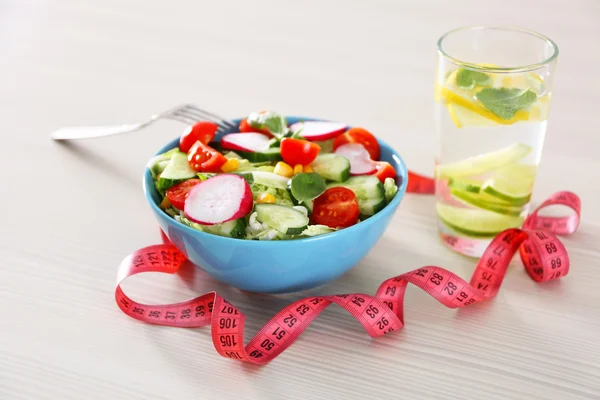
(390,189)
(360,161)
(219,199)
(270,179)
(247,142)
(360,136)
(203,131)
(235,228)
(337,207)
(177,170)
(204,158)
(384,171)
(318,130)
(298,151)
(178,193)
(158,163)
(271,154)
(286,220)
(307,186)
(369,192)
(332,166)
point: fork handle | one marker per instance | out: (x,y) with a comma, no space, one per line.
(85,132)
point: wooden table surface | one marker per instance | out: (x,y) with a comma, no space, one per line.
(71,212)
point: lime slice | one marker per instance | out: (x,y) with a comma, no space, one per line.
(476,222)
(466,185)
(512,183)
(486,202)
(484,162)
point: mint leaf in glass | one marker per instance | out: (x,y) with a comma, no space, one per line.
(467,79)
(505,102)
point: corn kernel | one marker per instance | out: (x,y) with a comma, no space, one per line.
(165,203)
(307,168)
(231,165)
(297,168)
(283,169)
(265,198)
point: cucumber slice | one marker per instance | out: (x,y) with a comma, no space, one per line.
(235,228)
(177,170)
(158,163)
(286,220)
(271,154)
(369,192)
(270,179)
(308,204)
(332,166)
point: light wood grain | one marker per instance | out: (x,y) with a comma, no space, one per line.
(72,212)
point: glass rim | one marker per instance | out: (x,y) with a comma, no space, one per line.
(522,68)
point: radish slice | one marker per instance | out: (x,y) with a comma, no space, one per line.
(360,161)
(252,142)
(318,130)
(219,199)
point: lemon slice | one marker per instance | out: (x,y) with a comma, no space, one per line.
(462,116)
(484,162)
(512,183)
(476,222)
(487,202)
(450,97)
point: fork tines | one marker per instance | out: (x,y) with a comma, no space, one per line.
(191,114)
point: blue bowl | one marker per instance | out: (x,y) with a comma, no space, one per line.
(279,266)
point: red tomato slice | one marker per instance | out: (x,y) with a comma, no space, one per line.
(361,136)
(178,193)
(204,158)
(298,151)
(203,131)
(337,207)
(384,170)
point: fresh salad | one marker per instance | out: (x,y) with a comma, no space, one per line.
(273,181)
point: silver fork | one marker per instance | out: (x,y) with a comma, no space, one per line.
(186,113)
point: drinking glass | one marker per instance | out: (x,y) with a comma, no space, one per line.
(493,87)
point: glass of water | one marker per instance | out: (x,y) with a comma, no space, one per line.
(493,87)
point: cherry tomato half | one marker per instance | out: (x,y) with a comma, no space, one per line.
(204,158)
(361,136)
(384,170)
(178,193)
(298,151)
(337,207)
(203,131)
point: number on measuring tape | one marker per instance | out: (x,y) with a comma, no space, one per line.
(542,254)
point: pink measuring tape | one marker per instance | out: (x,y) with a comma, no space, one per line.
(543,255)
